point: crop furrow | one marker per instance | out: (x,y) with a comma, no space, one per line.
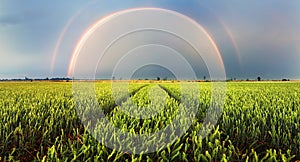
(108,109)
(172,94)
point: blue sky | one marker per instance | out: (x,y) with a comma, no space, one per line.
(265,34)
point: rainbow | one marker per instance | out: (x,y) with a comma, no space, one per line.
(102,21)
(231,37)
(63,33)
(59,41)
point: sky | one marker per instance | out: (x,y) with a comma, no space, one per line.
(255,38)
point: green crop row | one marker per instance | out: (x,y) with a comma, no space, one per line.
(45,121)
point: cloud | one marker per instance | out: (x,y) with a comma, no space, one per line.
(10,20)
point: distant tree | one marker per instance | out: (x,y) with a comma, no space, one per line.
(258,78)
(230,79)
(158,78)
(28,79)
(113,78)
(204,78)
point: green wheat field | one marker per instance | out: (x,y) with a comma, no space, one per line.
(260,122)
